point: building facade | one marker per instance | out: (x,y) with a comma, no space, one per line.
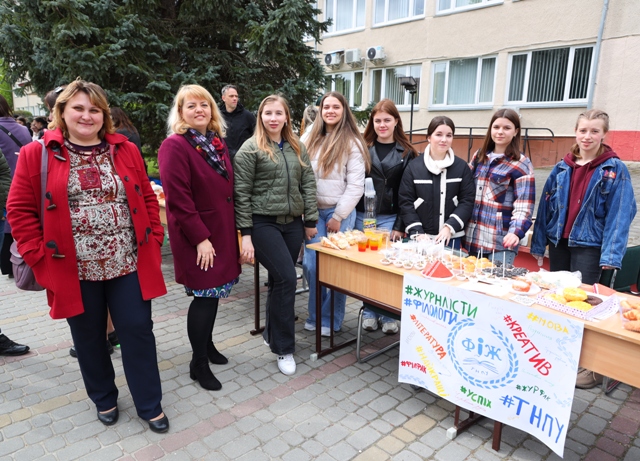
(30,101)
(548,59)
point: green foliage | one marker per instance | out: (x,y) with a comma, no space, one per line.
(24,113)
(362,116)
(5,85)
(141,52)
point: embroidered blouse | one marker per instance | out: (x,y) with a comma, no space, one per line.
(102,227)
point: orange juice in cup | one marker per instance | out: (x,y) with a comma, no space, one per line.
(363,243)
(375,240)
(369,233)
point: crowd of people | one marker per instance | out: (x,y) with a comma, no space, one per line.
(94,244)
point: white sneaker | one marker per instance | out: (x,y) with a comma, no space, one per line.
(309,326)
(287,364)
(266,343)
(370,324)
(325,331)
(390,328)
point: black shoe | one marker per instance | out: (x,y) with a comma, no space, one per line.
(159,425)
(8,347)
(73,353)
(214,356)
(202,373)
(109,418)
(113,338)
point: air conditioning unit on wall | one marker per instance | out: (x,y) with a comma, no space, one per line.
(376,54)
(352,57)
(332,59)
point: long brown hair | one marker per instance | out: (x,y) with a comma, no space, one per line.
(512,151)
(96,95)
(334,148)
(593,114)
(388,106)
(264,142)
(121,120)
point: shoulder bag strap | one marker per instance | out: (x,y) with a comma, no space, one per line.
(10,134)
(44,164)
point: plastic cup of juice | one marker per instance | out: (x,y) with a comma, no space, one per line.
(363,242)
(375,240)
(369,234)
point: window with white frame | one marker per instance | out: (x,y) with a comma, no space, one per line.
(449,6)
(349,84)
(552,76)
(385,83)
(397,10)
(463,82)
(344,14)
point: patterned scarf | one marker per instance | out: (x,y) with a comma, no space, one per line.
(211,147)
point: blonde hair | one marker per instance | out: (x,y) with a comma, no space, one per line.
(177,124)
(334,148)
(593,114)
(308,117)
(264,142)
(96,95)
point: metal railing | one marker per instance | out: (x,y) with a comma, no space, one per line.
(526,137)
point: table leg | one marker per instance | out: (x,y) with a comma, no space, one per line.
(319,351)
(461,426)
(497,435)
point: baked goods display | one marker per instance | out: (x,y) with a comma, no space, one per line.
(630,313)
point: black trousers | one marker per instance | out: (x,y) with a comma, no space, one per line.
(583,259)
(277,247)
(131,317)
(5,254)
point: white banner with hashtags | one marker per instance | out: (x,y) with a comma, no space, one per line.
(497,358)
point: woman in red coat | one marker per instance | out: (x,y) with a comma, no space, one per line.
(197,179)
(100,245)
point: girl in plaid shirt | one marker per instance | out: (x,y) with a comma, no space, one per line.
(505,191)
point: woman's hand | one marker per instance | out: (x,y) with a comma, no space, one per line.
(396,235)
(333,225)
(510,240)
(248,252)
(444,235)
(310,232)
(206,254)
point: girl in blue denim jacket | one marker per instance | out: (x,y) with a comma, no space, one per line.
(585,211)
(587,205)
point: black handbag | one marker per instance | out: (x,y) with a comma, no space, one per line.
(22,273)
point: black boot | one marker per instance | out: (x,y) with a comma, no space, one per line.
(202,373)
(215,356)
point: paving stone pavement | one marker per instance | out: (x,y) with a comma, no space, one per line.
(331,409)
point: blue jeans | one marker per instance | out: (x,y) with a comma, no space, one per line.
(384,221)
(309,267)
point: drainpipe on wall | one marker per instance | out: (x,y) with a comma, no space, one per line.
(596,57)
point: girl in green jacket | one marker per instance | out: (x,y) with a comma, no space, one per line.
(274,187)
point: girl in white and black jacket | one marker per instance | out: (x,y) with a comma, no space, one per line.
(437,191)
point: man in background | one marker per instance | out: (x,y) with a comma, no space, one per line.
(240,122)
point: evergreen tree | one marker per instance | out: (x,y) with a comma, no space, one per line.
(140,52)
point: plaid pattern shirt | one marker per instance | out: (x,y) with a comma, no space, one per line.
(505,198)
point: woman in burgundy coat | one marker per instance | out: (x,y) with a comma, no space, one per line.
(197,179)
